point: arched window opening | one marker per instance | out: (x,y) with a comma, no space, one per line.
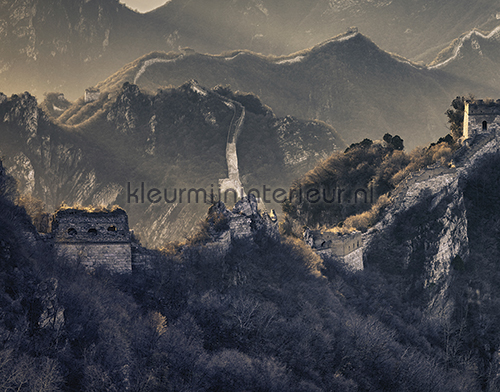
(485,126)
(72,231)
(112,228)
(93,231)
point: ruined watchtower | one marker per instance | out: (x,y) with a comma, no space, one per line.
(94,238)
(92,94)
(481,116)
(347,247)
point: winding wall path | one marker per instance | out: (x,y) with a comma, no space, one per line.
(232,181)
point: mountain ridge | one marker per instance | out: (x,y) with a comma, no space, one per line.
(66,46)
(275,26)
(346,81)
(475,55)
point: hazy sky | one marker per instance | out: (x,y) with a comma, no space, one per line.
(144,5)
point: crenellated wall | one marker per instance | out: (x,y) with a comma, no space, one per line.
(94,239)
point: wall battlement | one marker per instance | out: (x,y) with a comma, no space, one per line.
(81,226)
(481,106)
(94,239)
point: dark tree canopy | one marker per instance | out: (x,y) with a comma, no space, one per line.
(365,143)
(456,117)
(394,141)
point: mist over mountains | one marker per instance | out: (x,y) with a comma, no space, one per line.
(61,45)
(272,93)
(347,82)
(414,29)
(174,139)
(65,46)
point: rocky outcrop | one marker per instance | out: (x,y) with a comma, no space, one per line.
(24,112)
(49,162)
(131,108)
(243,223)
(424,231)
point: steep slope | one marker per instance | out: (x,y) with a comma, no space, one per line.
(105,152)
(440,237)
(474,56)
(347,82)
(261,317)
(429,203)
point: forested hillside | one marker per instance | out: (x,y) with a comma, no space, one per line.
(188,324)
(349,189)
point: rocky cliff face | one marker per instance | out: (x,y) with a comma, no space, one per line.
(424,234)
(49,162)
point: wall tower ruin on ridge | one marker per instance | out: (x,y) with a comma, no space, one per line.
(481,116)
(346,247)
(92,94)
(94,239)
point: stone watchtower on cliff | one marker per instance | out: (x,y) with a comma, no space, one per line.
(346,247)
(481,116)
(94,239)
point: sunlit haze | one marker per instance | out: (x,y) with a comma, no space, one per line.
(144,5)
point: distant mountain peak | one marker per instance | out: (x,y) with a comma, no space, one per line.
(351,33)
(339,43)
(351,38)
